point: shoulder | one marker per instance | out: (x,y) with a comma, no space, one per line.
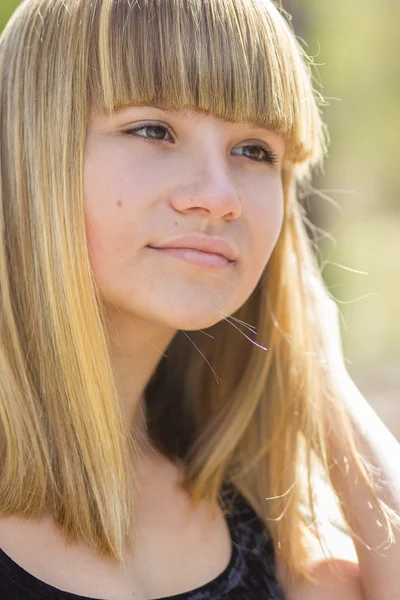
(334,578)
(337,577)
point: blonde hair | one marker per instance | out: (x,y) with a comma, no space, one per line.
(64,444)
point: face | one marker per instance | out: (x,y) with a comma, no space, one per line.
(151,177)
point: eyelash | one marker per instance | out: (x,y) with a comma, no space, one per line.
(272,158)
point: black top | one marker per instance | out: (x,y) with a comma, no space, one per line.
(250,574)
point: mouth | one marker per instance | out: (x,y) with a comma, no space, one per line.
(195,257)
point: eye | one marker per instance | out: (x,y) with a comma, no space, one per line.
(157,132)
(158,135)
(262,151)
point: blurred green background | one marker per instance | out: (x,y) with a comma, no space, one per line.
(355,46)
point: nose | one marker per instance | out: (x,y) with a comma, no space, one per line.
(210,193)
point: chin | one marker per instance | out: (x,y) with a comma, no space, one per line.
(195,316)
(193,321)
(201,322)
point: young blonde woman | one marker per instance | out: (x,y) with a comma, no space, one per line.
(172,386)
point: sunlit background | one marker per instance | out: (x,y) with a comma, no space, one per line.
(355,47)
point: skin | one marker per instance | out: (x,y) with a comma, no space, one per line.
(206,176)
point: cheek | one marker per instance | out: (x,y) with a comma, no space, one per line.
(104,223)
(103,248)
(267,223)
(264,222)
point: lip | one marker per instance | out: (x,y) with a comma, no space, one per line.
(204,243)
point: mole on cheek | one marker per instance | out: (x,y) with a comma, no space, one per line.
(119,203)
